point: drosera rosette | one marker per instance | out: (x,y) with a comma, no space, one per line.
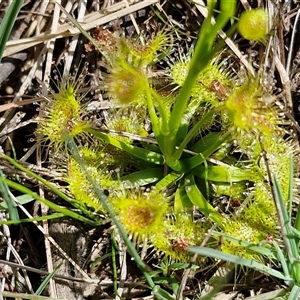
(260,214)
(257,128)
(279,151)
(79,185)
(129,119)
(213,83)
(278,154)
(250,118)
(141,211)
(257,218)
(142,54)
(113,158)
(253,221)
(127,84)
(240,229)
(62,114)
(128,78)
(177,233)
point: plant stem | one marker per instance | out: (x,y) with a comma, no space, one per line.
(202,55)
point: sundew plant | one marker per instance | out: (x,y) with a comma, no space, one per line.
(205,143)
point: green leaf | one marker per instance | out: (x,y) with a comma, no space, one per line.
(185,123)
(208,117)
(227,173)
(182,202)
(161,294)
(168,180)
(197,160)
(207,141)
(141,153)
(141,178)
(295,293)
(23,199)
(200,202)
(285,222)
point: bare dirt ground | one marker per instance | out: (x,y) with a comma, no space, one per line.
(43,40)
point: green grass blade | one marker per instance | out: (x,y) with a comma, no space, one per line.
(114,251)
(11,205)
(252,247)
(209,252)
(276,294)
(295,293)
(161,294)
(282,259)
(8,22)
(290,241)
(297,219)
(35,219)
(45,282)
(21,200)
(51,187)
(283,215)
(63,210)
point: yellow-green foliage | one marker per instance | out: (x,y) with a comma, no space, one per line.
(80,186)
(141,213)
(255,126)
(255,130)
(129,118)
(241,111)
(177,233)
(128,79)
(126,83)
(213,84)
(62,116)
(138,55)
(248,112)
